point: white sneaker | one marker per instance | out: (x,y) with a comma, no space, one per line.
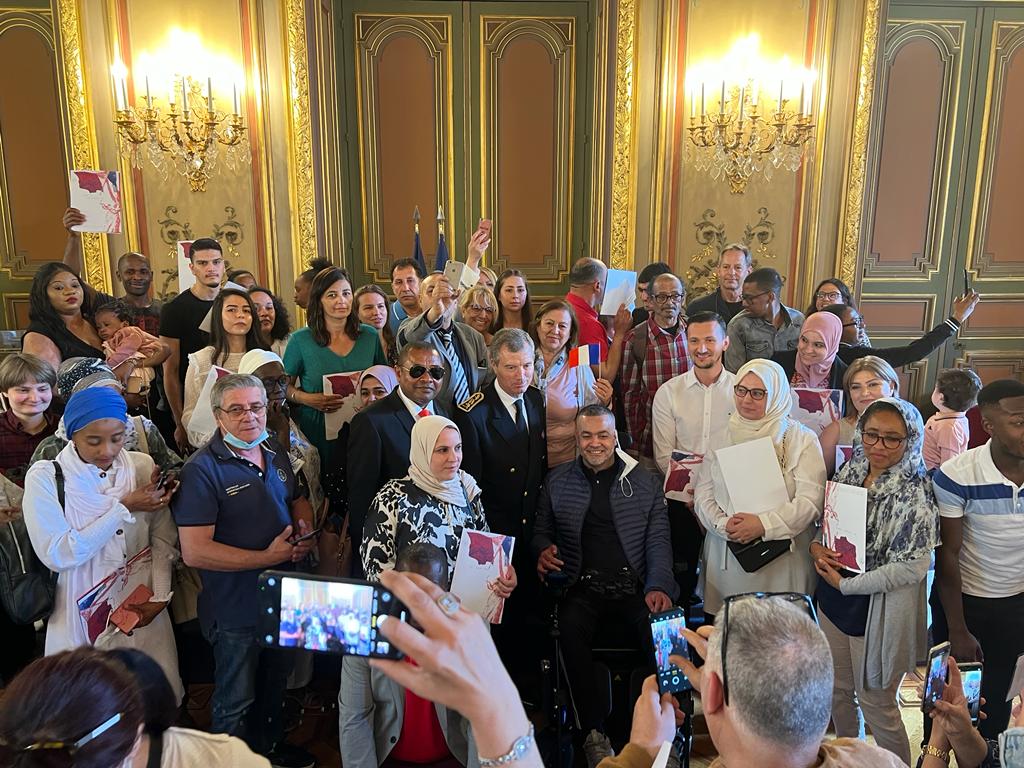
(596,747)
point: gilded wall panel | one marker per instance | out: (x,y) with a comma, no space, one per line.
(403,72)
(527,154)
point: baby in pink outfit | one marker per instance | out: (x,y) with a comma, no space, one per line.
(947,433)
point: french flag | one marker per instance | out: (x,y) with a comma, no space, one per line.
(588,354)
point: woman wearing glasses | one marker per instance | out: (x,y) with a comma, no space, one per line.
(433,504)
(479,308)
(875,621)
(834,291)
(566,388)
(763,402)
(866,380)
(333,341)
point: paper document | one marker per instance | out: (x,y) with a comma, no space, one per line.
(202,421)
(97,605)
(753,477)
(97,194)
(619,288)
(341,384)
(185,277)
(482,558)
(1017,684)
(844,524)
(843,454)
(679,480)
(816,408)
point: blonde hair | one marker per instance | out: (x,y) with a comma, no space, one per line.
(490,273)
(875,365)
(478,293)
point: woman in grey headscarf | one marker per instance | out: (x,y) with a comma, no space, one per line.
(875,621)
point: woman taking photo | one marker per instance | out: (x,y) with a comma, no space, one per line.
(763,402)
(566,388)
(372,308)
(479,308)
(60,317)
(866,380)
(813,364)
(432,504)
(275,324)
(875,621)
(102,510)
(234,330)
(513,295)
(334,341)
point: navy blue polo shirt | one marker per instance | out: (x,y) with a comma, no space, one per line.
(248,507)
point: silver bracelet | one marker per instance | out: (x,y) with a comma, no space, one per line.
(519,749)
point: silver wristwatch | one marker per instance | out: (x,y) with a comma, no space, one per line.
(519,749)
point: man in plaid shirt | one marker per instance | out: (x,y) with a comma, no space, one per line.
(652,353)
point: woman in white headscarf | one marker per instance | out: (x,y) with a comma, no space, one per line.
(432,504)
(763,402)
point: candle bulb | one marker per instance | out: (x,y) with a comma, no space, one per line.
(149,95)
(742,93)
(124,91)
(754,89)
(118,96)
(172,94)
(184,96)
(781,84)
(702,110)
(693,102)
(721,104)
(803,91)
(238,103)
(209,94)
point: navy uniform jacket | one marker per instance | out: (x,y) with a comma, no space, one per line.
(510,471)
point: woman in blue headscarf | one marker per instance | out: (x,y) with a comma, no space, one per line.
(112,511)
(875,621)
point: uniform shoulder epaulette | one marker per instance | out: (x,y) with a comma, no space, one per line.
(474,400)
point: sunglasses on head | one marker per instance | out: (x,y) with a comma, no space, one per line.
(416,371)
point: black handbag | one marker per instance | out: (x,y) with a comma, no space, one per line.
(27,587)
(756,554)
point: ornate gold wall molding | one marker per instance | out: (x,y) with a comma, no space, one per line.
(301,186)
(701,277)
(853,208)
(79,130)
(623,212)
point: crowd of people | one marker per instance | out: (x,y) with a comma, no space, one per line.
(161,457)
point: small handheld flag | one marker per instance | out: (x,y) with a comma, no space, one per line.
(588,354)
(417,249)
(442,247)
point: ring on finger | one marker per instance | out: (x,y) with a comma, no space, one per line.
(449,604)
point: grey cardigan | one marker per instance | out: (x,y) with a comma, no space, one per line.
(896,625)
(473,347)
(370,711)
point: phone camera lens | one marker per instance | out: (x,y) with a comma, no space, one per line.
(385,597)
(269,639)
(272,582)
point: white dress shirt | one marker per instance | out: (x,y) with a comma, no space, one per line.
(509,401)
(413,408)
(687,416)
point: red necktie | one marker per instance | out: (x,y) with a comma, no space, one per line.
(423,412)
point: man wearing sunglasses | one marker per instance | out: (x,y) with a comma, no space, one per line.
(765,326)
(766,688)
(379,440)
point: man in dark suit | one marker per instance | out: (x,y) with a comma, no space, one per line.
(379,440)
(504,447)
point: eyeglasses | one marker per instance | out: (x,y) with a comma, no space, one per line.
(831,295)
(478,308)
(73,747)
(888,441)
(238,411)
(273,382)
(416,371)
(797,598)
(746,298)
(756,394)
(665,298)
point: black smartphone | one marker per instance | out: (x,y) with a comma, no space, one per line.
(305,536)
(162,480)
(970,677)
(935,684)
(667,635)
(967,282)
(330,615)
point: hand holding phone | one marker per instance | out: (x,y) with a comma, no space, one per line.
(667,635)
(970,679)
(935,684)
(967,282)
(305,536)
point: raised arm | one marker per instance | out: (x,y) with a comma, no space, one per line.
(73,247)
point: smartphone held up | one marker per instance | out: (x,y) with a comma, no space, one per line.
(667,635)
(935,683)
(326,614)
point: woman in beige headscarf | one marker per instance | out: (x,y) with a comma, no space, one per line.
(432,504)
(763,402)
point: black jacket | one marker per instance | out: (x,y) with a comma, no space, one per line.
(916,350)
(787,359)
(378,451)
(510,478)
(638,511)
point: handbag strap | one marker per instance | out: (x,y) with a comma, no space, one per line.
(58,479)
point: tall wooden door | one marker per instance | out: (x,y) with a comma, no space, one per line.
(478,108)
(943,198)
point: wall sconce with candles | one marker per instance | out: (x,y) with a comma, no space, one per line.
(750,131)
(191,139)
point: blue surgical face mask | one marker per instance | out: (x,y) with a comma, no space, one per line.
(235,442)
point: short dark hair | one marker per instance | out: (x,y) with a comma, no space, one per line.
(423,555)
(234,274)
(204,244)
(316,266)
(838,309)
(652,270)
(708,317)
(585,271)
(407,262)
(315,310)
(159,704)
(282,323)
(132,255)
(959,388)
(1000,389)
(412,346)
(595,409)
(767,279)
(60,698)
(118,307)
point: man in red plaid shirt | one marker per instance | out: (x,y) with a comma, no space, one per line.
(652,353)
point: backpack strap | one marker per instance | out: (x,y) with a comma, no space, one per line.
(58,478)
(639,345)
